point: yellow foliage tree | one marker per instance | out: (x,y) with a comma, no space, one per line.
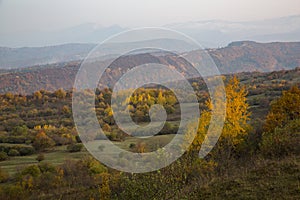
(61,94)
(236,121)
(161,99)
(42,141)
(104,188)
(283,110)
(237,114)
(38,95)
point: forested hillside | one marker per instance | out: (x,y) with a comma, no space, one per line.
(257,155)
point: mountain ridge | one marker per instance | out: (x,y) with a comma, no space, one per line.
(243,56)
(210,33)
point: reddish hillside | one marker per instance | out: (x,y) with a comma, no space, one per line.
(237,57)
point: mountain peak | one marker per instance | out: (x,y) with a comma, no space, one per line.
(241,43)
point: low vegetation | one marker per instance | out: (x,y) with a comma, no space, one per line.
(256,157)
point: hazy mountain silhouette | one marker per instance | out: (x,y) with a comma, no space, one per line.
(217,33)
(210,34)
(11,58)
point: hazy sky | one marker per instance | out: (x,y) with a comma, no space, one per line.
(39,15)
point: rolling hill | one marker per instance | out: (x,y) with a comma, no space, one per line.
(237,57)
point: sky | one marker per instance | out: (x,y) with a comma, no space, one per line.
(50,15)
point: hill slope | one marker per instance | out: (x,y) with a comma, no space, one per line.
(236,57)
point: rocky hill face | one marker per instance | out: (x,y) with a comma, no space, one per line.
(236,57)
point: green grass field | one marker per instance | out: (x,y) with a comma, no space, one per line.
(60,154)
(57,157)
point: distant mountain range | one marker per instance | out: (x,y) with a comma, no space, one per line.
(210,34)
(12,58)
(217,33)
(78,41)
(84,33)
(237,57)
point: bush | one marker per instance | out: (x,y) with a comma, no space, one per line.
(106,128)
(20,130)
(74,148)
(13,192)
(3,176)
(132,146)
(282,141)
(32,170)
(46,167)
(284,109)
(13,139)
(42,141)
(24,150)
(59,140)
(3,156)
(116,136)
(40,157)
(13,152)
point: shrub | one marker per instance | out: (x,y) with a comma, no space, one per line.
(74,148)
(274,144)
(13,139)
(282,141)
(42,141)
(13,152)
(24,150)
(32,170)
(106,128)
(3,156)
(60,140)
(284,109)
(20,130)
(3,176)
(40,157)
(97,168)
(13,192)
(116,136)
(46,167)
(132,146)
